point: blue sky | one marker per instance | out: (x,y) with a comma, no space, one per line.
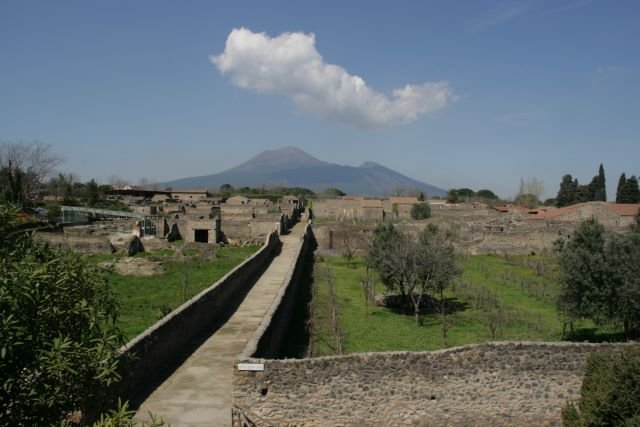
(492,90)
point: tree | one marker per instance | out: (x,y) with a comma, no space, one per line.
(421,211)
(349,239)
(528,200)
(58,339)
(600,193)
(486,194)
(117,182)
(530,191)
(630,191)
(384,243)
(437,265)
(35,159)
(582,262)
(568,193)
(93,194)
(622,182)
(622,254)
(610,394)
(413,267)
(12,188)
(452,196)
(421,197)
(600,279)
(332,193)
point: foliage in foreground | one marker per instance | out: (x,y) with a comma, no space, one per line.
(610,394)
(58,339)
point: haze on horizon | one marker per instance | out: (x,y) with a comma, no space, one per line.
(456,94)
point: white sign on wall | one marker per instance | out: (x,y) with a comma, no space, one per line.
(250,366)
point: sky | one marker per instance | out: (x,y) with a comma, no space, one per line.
(475,94)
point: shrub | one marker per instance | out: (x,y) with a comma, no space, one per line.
(58,343)
(610,394)
(421,211)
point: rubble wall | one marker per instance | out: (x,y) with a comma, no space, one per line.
(493,384)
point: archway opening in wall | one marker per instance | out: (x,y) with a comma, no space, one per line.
(201,235)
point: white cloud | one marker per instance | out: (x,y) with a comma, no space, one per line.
(290,65)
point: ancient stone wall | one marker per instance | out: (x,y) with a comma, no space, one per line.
(493,384)
(159,346)
(268,338)
(336,209)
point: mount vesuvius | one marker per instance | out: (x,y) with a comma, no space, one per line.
(290,166)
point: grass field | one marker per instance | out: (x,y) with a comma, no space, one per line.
(145,300)
(496,298)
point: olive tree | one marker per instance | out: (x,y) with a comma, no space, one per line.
(414,267)
(601,277)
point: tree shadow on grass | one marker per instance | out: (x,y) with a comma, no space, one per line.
(428,305)
(598,336)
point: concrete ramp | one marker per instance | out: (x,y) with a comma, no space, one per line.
(198,393)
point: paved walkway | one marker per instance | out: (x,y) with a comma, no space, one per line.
(198,393)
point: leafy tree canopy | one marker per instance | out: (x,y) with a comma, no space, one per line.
(601,278)
(58,340)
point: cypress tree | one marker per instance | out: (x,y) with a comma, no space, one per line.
(601,192)
(567,194)
(632,192)
(620,191)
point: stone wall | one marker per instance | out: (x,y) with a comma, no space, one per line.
(155,350)
(268,338)
(336,209)
(493,384)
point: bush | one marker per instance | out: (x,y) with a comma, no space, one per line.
(610,394)
(421,211)
(58,343)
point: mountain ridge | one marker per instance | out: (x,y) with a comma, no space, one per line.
(293,167)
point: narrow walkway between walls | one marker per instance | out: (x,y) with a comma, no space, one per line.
(198,393)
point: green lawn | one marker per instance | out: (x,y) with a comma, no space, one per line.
(145,300)
(525,287)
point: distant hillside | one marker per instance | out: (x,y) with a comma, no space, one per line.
(291,166)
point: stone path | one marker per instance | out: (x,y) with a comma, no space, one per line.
(198,393)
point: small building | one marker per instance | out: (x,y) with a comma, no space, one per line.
(371,210)
(401,206)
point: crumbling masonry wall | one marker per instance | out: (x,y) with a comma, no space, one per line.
(493,384)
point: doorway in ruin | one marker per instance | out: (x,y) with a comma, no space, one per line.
(201,235)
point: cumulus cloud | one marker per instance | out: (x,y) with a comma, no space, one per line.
(290,65)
